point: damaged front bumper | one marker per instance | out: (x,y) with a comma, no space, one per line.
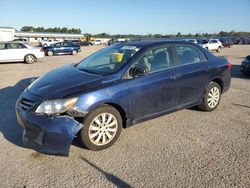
(45,134)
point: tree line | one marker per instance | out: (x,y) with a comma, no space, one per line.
(52,30)
(158,35)
(178,35)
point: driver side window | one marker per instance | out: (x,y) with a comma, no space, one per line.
(156,59)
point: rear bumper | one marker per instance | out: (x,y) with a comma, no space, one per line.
(47,134)
(226,79)
(245,69)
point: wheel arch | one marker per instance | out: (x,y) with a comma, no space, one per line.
(29,54)
(116,106)
(218,81)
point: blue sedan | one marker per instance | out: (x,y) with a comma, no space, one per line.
(62,48)
(116,87)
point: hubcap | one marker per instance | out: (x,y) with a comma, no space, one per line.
(50,53)
(74,52)
(213,97)
(30,59)
(103,129)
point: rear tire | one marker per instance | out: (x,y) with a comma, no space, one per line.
(102,127)
(211,98)
(74,52)
(29,59)
(218,49)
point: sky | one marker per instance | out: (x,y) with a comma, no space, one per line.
(129,16)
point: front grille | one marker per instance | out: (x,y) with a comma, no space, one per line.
(26,104)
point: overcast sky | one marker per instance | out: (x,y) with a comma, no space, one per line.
(129,16)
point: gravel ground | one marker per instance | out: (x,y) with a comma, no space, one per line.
(187,148)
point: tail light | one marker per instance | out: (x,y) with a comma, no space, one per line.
(41,50)
(229,66)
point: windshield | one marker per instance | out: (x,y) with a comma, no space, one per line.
(107,60)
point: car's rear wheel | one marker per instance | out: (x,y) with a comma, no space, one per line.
(211,98)
(50,53)
(102,127)
(218,49)
(74,52)
(29,59)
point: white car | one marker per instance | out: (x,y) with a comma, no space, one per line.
(49,42)
(97,42)
(212,44)
(191,40)
(18,51)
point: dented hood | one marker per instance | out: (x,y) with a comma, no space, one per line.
(62,82)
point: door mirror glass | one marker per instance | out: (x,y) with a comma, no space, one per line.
(138,71)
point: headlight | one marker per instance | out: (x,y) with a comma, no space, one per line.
(55,106)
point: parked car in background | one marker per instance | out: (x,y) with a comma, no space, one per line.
(241,40)
(97,42)
(48,42)
(62,48)
(117,87)
(21,40)
(211,44)
(191,40)
(81,43)
(245,66)
(226,42)
(19,52)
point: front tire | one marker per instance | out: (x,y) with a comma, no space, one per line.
(50,53)
(102,127)
(29,59)
(211,98)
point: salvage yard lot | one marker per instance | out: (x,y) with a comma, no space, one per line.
(188,148)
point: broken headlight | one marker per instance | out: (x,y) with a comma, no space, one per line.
(55,106)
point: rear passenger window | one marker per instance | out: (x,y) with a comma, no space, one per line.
(157,59)
(187,54)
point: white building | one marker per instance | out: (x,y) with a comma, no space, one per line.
(9,34)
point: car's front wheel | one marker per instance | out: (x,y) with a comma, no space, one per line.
(211,98)
(29,59)
(50,53)
(101,129)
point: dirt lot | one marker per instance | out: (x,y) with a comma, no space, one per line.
(188,148)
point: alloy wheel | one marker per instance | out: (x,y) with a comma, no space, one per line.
(103,129)
(213,97)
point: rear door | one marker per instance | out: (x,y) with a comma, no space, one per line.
(192,73)
(68,47)
(156,92)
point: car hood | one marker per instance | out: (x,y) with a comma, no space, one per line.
(62,82)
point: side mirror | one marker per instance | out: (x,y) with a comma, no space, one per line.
(138,71)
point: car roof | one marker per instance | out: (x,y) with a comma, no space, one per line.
(8,42)
(144,43)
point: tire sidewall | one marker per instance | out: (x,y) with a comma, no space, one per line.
(210,86)
(84,133)
(25,59)
(50,53)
